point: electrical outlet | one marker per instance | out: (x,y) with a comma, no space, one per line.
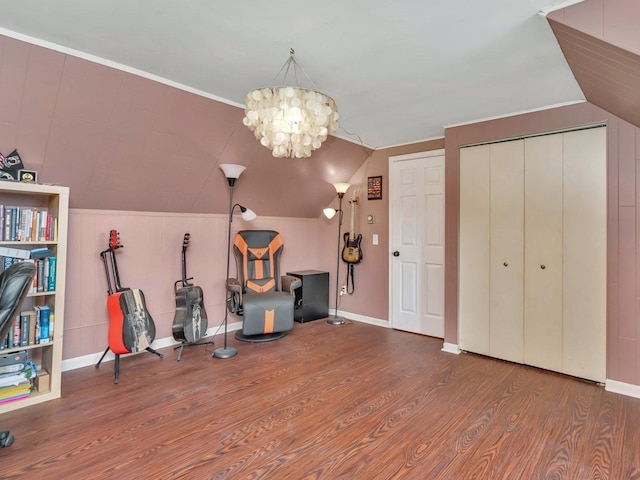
(344,290)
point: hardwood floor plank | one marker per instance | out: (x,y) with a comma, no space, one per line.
(326,402)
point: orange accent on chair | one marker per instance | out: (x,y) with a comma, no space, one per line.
(269,321)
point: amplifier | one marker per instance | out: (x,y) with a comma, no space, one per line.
(13,362)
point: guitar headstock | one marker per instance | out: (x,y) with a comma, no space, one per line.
(185,241)
(114,240)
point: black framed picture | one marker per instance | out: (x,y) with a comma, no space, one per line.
(374,188)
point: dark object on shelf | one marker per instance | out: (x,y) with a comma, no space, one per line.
(15,283)
(312,298)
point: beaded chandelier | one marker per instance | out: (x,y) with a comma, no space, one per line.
(291,121)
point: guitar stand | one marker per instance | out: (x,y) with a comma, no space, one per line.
(116,365)
(187,344)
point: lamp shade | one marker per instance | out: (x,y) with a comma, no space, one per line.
(231,170)
(341,188)
(329,212)
(247,214)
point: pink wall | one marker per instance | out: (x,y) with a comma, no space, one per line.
(151,261)
(614,21)
(371,296)
(623,245)
(124,142)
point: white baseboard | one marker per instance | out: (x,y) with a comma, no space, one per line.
(451,348)
(93,358)
(362,318)
(622,388)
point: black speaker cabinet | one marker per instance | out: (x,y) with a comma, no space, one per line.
(312,298)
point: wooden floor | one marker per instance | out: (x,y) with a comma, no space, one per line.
(326,402)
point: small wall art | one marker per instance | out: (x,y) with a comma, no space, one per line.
(374,188)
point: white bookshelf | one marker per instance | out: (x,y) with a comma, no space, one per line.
(47,356)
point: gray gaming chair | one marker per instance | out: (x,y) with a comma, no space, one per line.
(260,294)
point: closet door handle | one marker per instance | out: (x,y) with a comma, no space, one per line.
(543,267)
(505,264)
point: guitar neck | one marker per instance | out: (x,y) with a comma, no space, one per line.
(352,233)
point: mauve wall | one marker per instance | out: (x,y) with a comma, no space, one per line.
(623,244)
(151,261)
(371,295)
(614,21)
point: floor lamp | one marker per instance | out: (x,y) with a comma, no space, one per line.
(232,173)
(341,189)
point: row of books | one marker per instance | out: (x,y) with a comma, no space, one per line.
(27,224)
(45,278)
(31,327)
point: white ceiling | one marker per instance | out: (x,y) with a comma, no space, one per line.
(400,71)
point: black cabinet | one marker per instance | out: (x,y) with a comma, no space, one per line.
(312,298)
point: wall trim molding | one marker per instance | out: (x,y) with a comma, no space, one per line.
(378,322)
(622,388)
(451,348)
(92,358)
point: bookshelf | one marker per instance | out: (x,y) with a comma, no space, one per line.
(47,355)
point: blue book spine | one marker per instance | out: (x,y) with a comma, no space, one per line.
(44,316)
(51,279)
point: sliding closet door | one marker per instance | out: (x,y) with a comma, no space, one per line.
(543,252)
(475,211)
(585,246)
(507,243)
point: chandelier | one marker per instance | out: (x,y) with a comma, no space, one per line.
(291,121)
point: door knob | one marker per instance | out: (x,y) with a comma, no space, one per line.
(396,253)
(505,264)
(542,267)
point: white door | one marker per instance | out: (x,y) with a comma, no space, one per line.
(416,233)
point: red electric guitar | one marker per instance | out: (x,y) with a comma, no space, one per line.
(131,328)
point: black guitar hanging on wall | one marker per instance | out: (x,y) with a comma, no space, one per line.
(190,321)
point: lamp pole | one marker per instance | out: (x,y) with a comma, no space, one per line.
(341,189)
(232,172)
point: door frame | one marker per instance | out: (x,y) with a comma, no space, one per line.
(393,159)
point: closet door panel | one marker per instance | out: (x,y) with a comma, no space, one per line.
(584,251)
(473,295)
(507,243)
(543,252)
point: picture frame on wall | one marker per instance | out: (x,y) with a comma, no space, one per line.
(374,188)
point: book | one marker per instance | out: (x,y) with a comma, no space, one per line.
(14,252)
(32,327)
(24,329)
(40,273)
(51,279)
(40,252)
(44,320)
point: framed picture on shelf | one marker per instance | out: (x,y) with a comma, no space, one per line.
(28,176)
(374,188)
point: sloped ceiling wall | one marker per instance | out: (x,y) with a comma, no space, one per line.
(601,42)
(123,142)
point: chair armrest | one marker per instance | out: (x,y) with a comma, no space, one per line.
(290,283)
(233,285)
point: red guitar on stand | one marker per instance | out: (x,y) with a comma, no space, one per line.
(190,321)
(131,328)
